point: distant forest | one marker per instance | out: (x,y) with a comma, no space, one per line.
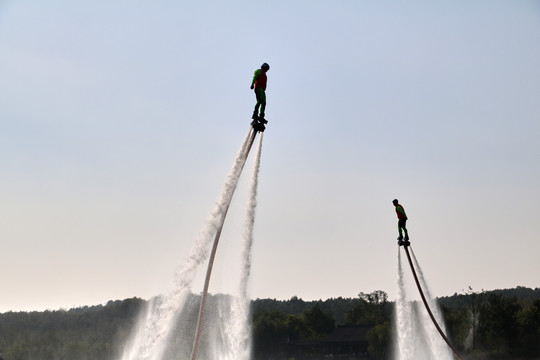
(481,325)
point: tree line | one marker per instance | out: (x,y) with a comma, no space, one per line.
(480,324)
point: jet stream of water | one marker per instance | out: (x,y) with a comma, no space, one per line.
(237,341)
(417,338)
(403,323)
(202,308)
(437,344)
(154,327)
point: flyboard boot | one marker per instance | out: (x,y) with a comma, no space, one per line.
(406,241)
(262,120)
(255,118)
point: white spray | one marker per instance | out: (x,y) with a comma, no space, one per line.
(403,319)
(437,344)
(417,337)
(236,343)
(155,325)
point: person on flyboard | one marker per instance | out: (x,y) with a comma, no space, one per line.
(402,223)
(259,85)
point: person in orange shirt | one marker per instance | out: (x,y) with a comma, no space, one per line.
(259,85)
(402,221)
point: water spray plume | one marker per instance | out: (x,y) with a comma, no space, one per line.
(436,350)
(250,221)
(156,324)
(236,311)
(241,160)
(437,344)
(403,323)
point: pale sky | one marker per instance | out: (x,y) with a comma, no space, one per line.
(120,120)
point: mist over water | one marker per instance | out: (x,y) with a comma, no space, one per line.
(416,335)
(165,330)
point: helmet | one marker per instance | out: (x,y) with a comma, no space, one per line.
(265,66)
(395,201)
